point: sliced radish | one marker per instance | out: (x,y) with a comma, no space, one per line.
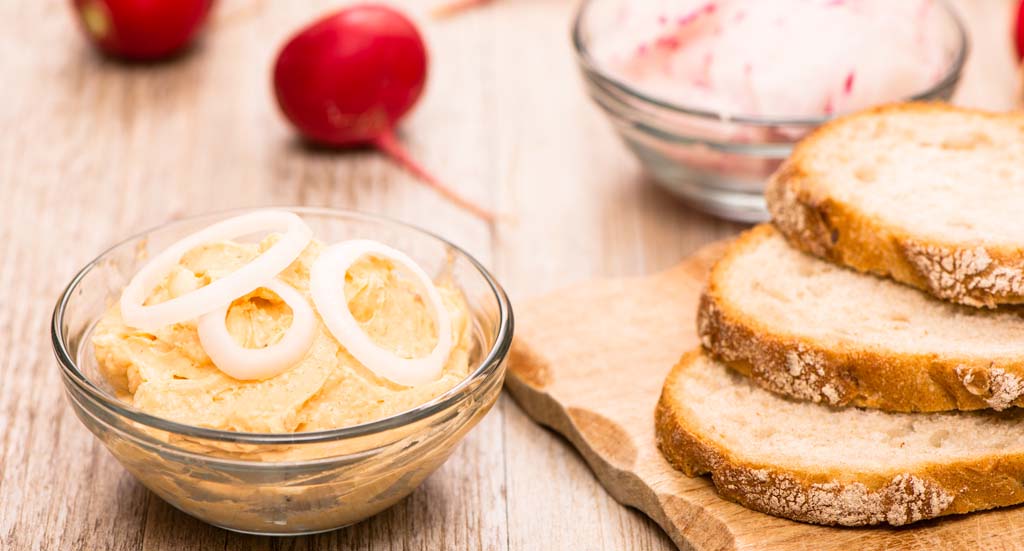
(249,364)
(326,285)
(221,292)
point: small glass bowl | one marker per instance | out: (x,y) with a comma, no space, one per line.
(717,164)
(283,484)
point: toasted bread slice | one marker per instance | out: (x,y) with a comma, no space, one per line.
(812,330)
(928,194)
(831,466)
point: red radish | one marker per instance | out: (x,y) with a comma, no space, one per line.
(141,29)
(347,79)
(1018,31)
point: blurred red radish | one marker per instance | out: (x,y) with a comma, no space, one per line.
(141,29)
(1018,31)
(348,78)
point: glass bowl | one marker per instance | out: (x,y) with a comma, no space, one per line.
(283,484)
(714,162)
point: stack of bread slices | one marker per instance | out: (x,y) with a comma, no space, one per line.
(863,356)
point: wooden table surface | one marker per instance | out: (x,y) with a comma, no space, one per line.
(93,151)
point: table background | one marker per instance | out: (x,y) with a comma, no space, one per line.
(93,151)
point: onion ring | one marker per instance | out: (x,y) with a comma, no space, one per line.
(248,364)
(329,297)
(221,292)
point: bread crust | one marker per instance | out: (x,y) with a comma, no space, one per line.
(974,274)
(847,376)
(832,497)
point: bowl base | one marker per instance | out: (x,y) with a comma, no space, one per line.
(735,195)
(730,204)
(278,534)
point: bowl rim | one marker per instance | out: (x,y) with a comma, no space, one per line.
(593,70)
(486,368)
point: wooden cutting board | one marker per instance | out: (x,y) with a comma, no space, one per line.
(589,362)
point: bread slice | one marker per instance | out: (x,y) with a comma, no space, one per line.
(812,330)
(928,194)
(831,466)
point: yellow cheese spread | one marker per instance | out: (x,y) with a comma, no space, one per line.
(166,373)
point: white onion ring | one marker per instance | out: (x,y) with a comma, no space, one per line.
(221,292)
(326,286)
(248,364)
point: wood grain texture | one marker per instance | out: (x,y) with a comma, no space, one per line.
(94,150)
(590,361)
